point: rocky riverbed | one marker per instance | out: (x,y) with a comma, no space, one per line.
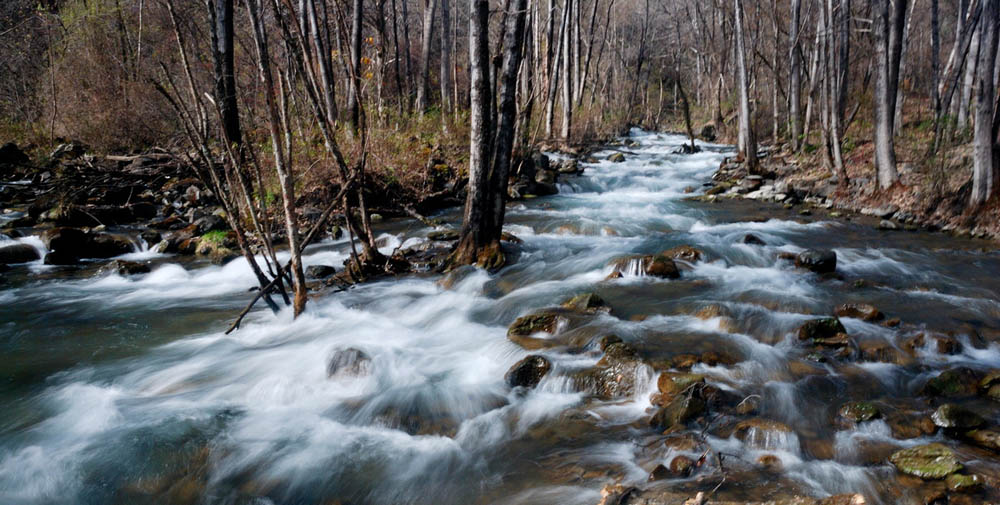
(646,346)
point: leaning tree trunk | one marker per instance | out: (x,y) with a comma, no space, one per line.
(984,137)
(747,145)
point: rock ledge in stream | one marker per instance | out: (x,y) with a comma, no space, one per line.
(931,461)
(522,331)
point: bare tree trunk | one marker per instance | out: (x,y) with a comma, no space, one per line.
(445,61)
(476,239)
(900,96)
(353,100)
(965,97)
(795,77)
(221,12)
(888,46)
(407,52)
(423,88)
(936,57)
(747,144)
(567,70)
(984,137)
(285,176)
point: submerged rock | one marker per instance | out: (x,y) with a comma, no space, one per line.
(818,261)
(349,362)
(751,239)
(616,158)
(953,416)
(18,253)
(862,311)
(931,461)
(528,372)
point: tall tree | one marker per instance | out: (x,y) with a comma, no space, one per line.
(747,143)
(888,48)
(423,83)
(795,74)
(445,59)
(490,144)
(984,135)
(221,14)
(353,100)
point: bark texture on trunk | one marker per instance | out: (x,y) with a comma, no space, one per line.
(747,145)
(423,88)
(984,138)
(221,12)
(888,48)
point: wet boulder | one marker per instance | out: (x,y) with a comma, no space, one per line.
(320,271)
(570,167)
(672,384)
(751,239)
(528,372)
(761,433)
(985,438)
(680,411)
(931,461)
(523,330)
(955,417)
(588,303)
(954,382)
(616,157)
(65,239)
(707,132)
(862,311)
(959,483)
(106,245)
(680,467)
(989,386)
(683,252)
(349,362)
(818,261)
(819,329)
(859,412)
(943,344)
(649,266)
(18,253)
(614,376)
(122,267)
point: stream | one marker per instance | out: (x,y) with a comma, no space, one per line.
(126,390)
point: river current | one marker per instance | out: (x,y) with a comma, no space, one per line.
(126,390)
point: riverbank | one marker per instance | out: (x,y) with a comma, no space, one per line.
(925,198)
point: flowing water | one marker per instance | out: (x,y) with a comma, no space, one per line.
(126,390)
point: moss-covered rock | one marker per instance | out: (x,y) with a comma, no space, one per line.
(616,158)
(989,386)
(931,461)
(954,382)
(959,483)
